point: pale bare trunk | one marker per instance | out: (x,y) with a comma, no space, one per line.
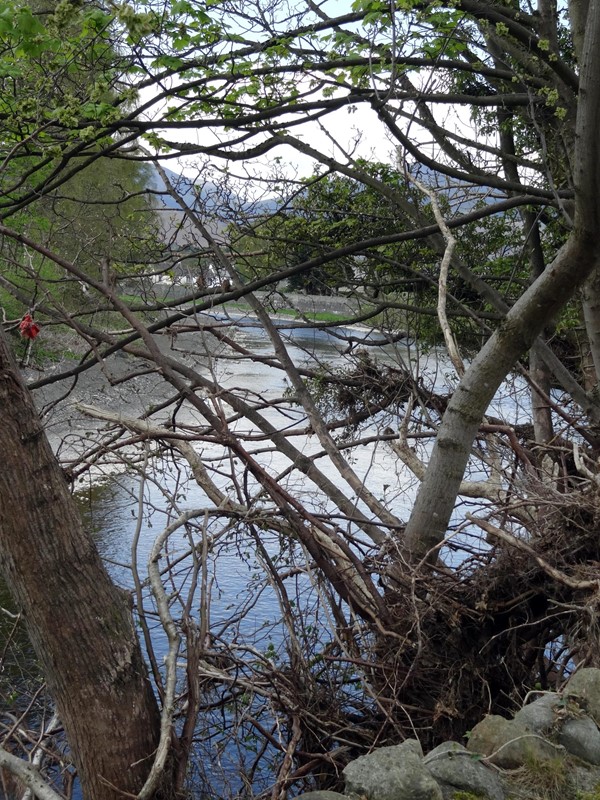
(437,495)
(590,301)
(524,322)
(543,431)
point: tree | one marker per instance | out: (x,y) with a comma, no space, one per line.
(508,604)
(330,211)
(79,623)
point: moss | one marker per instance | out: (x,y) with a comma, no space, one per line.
(467,796)
(594,795)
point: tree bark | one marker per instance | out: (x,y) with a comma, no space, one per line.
(590,301)
(79,622)
(542,416)
(435,501)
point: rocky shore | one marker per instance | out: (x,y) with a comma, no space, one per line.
(550,750)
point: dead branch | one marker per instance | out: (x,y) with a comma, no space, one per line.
(554,573)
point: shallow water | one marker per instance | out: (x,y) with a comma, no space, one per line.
(236,576)
(114,511)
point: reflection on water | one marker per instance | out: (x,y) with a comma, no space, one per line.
(242,611)
(111,511)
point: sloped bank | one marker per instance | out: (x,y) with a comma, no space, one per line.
(550,750)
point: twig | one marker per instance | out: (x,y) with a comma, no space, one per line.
(554,573)
(582,469)
(137,583)
(183,447)
(279,790)
(38,752)
(451,345)
(170,628)
(28,775)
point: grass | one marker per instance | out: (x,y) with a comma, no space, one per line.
(544,779)
(13,309)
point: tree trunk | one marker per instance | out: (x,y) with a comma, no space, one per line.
(437,495)
(591,314)
(537,306)
(79,622)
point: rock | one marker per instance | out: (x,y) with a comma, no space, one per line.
(585,778)
(540,716)
(412,746)
(392,773)
(322,795)
(585,686)
(456,770)
(509,744)
(581,737)
(562,720)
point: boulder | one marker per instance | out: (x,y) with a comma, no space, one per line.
(580,737)
(458,770)
(411,746)
(541,715)
(509,744)
(392,773)
(584,685)
(586,779)
(322,795)
(561,719)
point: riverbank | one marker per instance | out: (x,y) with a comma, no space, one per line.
(123,384)
(57,386)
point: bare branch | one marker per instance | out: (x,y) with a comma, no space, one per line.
(29,775)
(554,573)
(449,338)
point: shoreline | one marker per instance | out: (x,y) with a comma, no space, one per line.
(105,384)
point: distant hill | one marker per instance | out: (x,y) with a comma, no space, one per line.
(220,199)
(188,190)
(463,197)
(202,198)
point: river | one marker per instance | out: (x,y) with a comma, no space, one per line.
(128,508)
(244,609)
